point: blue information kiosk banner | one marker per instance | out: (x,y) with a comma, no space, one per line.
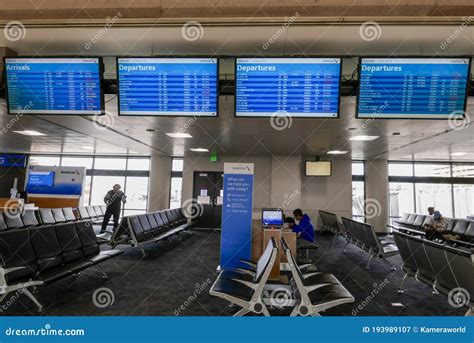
(236,236)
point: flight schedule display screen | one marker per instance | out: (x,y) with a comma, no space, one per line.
(168,86)
(429,88)
(54,86)
(294,87)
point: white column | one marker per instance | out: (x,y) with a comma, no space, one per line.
(377,195)
(160,183)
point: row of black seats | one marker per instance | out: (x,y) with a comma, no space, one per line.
(39,256)
(448,270)
(46,216)
(145,228)
(463,228)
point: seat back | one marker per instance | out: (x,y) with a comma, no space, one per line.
(411,219)
(3,225)
(450,223)
(98,211)
(83,213)
(145,224)
(158,219)
(408,261)
(427,220)
(469,234)
(135,225)
(13,220)
(29,218)
(404,218)
(17,251)
(46,246)
(265,262)
(461,226)
(69,214)
(46,216)
(445,280)
(85,231)
(424,268)
(418,222)
(71,245)
(58,215)
(169,215)
(103,208)
(91,211)
(164,218)
(462,267)
(152,221)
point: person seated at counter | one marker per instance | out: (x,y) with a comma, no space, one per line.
(304,229)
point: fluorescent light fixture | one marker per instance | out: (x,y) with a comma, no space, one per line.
(30,133)
(178,135)
(199,150)
(88,148)
(337,152)
(363,138)
(461,153)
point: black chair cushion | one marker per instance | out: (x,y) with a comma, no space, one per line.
(83,213)
(46,246)
(16,251)
(70,243)
(233,288)
(137,228)
(469,233)
(152,221)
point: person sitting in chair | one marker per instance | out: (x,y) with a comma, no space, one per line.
(437,228)
(304,229)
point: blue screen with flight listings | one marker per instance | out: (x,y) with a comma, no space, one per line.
(41,179)
(293,87)
(54,86)
(414,88)
(168,86)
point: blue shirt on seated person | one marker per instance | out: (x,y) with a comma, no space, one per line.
(304,228)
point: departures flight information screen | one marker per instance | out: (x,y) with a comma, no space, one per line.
(168,86)
(297,87)
(430,88)
(54,86)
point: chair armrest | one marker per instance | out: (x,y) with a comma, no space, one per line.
(250,263)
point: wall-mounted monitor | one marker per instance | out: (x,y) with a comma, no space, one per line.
(272,217)
(54,85)
(168,86)
(412,88)
(293,87)
(41,179)
(12,160)
(318,168)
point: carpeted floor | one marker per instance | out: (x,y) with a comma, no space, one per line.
(174,279)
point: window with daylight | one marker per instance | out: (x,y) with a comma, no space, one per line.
(358,190)
(176,182)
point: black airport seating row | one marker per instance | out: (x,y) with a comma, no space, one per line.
(47,216)
(39,256)
(137,230)
(307,294)
(448,270)
(364,236)
(464,228)
(330,223)
(95,213)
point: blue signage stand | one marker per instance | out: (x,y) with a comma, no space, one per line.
(236,236)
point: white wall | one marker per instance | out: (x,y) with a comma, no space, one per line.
(160,183)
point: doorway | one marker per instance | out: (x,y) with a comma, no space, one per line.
(207,190)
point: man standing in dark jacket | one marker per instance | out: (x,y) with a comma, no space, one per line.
(113,199)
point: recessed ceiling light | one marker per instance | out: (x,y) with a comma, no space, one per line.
(363,138)
(30,133)
(337,152)
(178,135)
(88,148)
(460,153)
(199,150)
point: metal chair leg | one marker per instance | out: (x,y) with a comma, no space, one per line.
(33,299)
(400,289)
(241,312)
(368,262)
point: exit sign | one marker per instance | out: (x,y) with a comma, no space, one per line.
(213,158)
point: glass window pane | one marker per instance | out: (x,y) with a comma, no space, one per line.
(463,200)
(77,162)
(400,169)
(463,170)
(133,212)
(138,164)
(177,164)
(44,160)
(357,168)
(425,169)
(436,195)
(86,194)
(358,198)
(105,163)
(401,199)
(101,185)
(136,191)
(175,196)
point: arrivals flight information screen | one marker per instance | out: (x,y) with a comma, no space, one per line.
(168,86)
(54,86)
(297,87)
(429,88)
